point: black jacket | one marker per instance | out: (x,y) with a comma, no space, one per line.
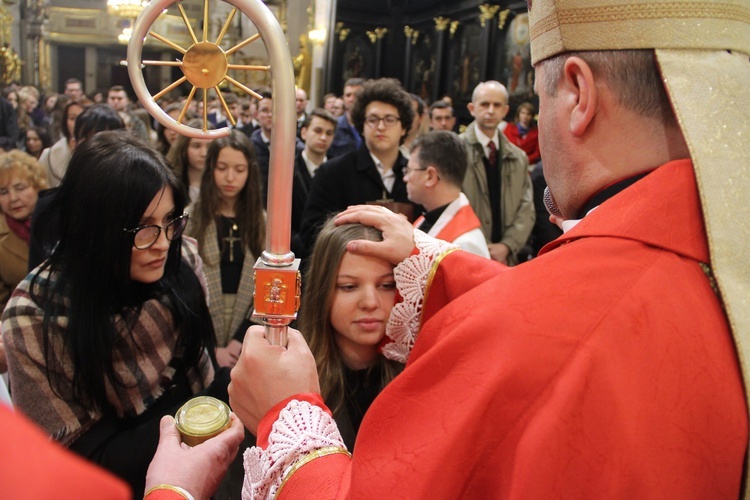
(263,155)
(301,187)
(350,179)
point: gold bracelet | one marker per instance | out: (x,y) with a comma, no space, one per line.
(309,457)
(180,491)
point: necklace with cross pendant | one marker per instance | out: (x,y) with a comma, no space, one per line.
(231,239)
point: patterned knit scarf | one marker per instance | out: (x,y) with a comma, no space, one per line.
(144,357)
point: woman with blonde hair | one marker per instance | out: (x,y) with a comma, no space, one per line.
(21,179)
(28,100)
(346,304)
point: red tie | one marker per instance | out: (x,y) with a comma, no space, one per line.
(493,153)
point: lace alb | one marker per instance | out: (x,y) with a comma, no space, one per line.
(301,428)
(411,280)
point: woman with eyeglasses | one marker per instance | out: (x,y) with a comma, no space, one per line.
(112,331)
(229,223)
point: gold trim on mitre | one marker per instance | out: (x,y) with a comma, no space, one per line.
(568,25)
(703,52)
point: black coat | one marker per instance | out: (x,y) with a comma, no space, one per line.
(263,155)
(350,179)
(300,188)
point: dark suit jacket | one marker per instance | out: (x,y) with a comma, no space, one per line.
(247,129)
(300,189)
(263,154)
(8,120)
(344,140)
(350,179)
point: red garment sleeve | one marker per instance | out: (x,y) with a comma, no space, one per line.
(324,478)
(456,274)
(32,466)
(164,495)
(266,423)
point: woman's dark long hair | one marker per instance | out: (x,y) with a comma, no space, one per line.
(95,119)
(111,180)
(249,209)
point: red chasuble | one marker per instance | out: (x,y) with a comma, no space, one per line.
(604,368)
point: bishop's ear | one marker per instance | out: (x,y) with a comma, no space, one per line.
(580,94)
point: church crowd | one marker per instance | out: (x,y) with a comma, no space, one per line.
(495,309)
(374,144)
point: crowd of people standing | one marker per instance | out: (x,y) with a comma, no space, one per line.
(375,144)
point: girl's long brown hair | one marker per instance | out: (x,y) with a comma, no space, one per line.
(249,210)
(315,313)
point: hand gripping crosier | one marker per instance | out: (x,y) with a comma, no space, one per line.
(205,65)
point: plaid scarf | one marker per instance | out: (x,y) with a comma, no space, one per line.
(143,357)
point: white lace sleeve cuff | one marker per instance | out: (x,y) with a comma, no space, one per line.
(302,432)
(412,276)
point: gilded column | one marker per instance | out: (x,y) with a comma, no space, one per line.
(410,41)
(441,25)
(486,15)
(376,37)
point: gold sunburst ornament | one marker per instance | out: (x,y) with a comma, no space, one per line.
(205,64)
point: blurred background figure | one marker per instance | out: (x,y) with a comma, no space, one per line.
(21,179)
(55,158)
(36,140)
(523,132)
(187,156)
(165,137)
(441,116)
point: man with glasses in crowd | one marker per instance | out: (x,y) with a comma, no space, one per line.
(382,114)
(436,169)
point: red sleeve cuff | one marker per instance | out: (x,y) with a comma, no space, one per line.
(266,423)
(163,494)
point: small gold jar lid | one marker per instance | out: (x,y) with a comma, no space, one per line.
(201,418)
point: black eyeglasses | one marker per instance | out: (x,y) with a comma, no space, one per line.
(145,236)
(389,120)
(409,171)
